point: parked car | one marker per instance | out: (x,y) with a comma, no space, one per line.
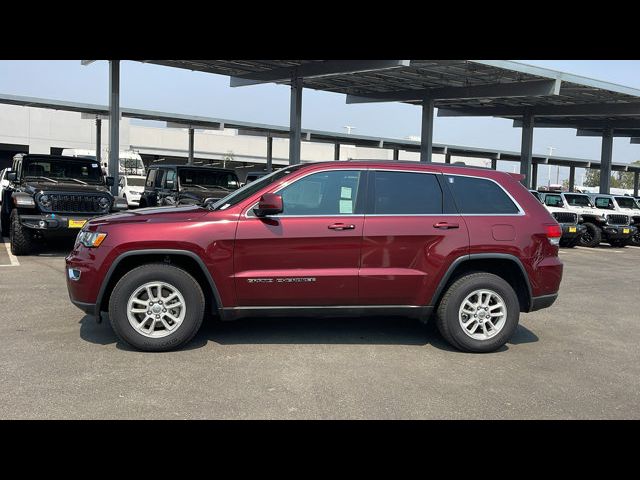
(173,185)
(625,205)
(4,182)
(131,188)
(601,224)
(469,246)
(572,230)
(52,195)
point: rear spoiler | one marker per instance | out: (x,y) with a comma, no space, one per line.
(518,176)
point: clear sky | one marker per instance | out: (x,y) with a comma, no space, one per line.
(181,91)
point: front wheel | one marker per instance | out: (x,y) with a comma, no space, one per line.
(635,240)
(156,307)
(22,242)
(478,313)
(591,237)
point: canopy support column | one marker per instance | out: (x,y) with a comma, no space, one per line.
(526,150)
(534,176)
(426,138)
(605,160)
(191,141)
(295,121)
(572,178)
(99,141)
(336,151)
(114,123)
(269,154)
(636,181)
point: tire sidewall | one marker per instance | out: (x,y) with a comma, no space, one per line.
(178,278)
(462,290)
(595,233)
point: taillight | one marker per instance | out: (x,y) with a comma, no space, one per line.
(554,232)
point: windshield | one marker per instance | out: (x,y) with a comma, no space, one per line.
(136,181)
(604,202)
(627,202)
(578,200)
(59,169)
(207,179)
(553,200)
(251,188)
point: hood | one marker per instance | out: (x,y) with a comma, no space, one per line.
(63,187)
(559,209)
(153,215)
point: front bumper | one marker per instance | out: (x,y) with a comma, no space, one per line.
(56,222)
(617,232)
(572,230)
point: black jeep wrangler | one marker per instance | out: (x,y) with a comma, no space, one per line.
(169,185)
(52,195)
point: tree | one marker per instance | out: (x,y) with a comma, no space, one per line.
(618,179)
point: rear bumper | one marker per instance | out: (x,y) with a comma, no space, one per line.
(543,301)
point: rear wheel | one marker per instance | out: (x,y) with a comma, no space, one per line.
(592,236)
(635,240)
(478,313)
(156,307)
(22,241)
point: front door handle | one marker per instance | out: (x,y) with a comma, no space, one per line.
(341,226)
(446,225)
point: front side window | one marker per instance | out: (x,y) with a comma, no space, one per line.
(151,178)
(323,193)
(475,195)
(170,180)
(405,193)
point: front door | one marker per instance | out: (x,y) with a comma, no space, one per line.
(309,254)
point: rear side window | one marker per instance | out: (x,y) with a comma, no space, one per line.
(604,202)
(553,200)
(480,196)
(404,193)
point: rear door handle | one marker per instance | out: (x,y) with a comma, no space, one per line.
(446,225)
(341,226)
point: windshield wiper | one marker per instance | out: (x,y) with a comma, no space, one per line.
(45,178)
(75,180)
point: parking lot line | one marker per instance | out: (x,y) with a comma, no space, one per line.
(12,258)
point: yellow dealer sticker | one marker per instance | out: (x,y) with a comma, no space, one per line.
(625,230)
(572,229)
(77,223)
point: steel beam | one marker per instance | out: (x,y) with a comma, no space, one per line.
(191,141)
(316,69)
(617,109)
(534,176)
(597,132)
(269,153)
(295,121)
(426,138)
(447,157)
(336,151)
(616,124)
(526,150)
(99,141)
(605,160)
(572,178)
(636,183)
(396,153)
(494,163)
(635,140)
(533,88)
(114,123)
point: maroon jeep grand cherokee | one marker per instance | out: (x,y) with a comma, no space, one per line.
(469,246)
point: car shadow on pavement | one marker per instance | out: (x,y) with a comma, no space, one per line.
(304,331)
(54,247)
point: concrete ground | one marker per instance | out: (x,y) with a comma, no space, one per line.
(580,359)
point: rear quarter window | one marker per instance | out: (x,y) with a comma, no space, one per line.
(474,195)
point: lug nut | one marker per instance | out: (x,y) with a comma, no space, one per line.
(148,312)
(157,316)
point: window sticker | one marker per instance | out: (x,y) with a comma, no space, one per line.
(345,193)
(346,206)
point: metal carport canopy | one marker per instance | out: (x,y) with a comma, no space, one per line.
(456,87)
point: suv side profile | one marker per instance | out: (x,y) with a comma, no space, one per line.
(469,246)
(627,206)
(173,185)
(52,195)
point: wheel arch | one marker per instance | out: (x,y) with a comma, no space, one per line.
(506,266)
(185,259)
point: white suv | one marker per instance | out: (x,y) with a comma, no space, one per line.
(131,188)
(623,204)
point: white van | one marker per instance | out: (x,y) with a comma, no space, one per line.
(130,161)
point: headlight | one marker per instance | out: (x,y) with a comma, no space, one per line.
(104,203)
(90,239)
(45,201)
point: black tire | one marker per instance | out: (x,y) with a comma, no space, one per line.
(592,237)
(180,279)
(619,243)
(22,242)
(448,310)
(5,224)
(635,239)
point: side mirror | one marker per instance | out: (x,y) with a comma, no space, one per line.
(269,204)
(12,176)
(110,181)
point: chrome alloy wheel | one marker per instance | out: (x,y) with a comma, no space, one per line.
(483,314)
(156,309)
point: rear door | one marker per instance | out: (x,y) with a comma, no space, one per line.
(309,254)
(411,235)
